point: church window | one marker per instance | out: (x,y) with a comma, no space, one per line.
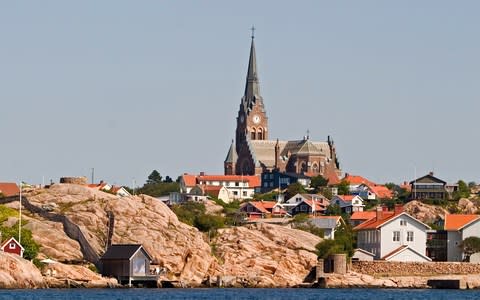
(314,168)
(254,134)
(260,134)
(304,167)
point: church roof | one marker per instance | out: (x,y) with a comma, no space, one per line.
(232,154)
(264,150)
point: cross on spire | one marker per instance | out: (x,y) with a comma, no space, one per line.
(253,32)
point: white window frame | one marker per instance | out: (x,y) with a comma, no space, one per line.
(410,236)
(396,236)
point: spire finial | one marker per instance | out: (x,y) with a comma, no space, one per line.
(253,32)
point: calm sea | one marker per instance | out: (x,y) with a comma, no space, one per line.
(214,294)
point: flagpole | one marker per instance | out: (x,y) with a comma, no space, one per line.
(20,217)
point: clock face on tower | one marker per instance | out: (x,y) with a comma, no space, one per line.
(256,119)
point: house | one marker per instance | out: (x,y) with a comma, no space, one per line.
(321,202)
(238,187)
(437,245)
(329,224)
(9,189)
(367,189)
(348,203)
(459,227)
(393,236)
(12,246)
(262,209)
(362,255)
(359,217)
(428,187)
(275,179)
(311,206)
(129,263)
(112,189)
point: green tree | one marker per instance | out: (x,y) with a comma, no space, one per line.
(343,187)
(463,190)
(168,179)
(333,210)
(154,177)
(318,183)
(293,189)
(469,246)
(27,241)
(344,242)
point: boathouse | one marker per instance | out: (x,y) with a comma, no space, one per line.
(129,263)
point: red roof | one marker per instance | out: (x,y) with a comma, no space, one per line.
(190,180)
(374,223)
(381,191)
(212,190)
(9,189)
(346,198)
(253,181)
(363,215)
(457,222)
(353,179)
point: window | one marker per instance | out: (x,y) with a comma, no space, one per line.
(11,246)
(409,236)
(396,236)
(244,193)
(303,208)
(403,223)
(235,193)
(237,183)
(298,199)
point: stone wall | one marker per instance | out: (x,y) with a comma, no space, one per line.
(384,268)
(74,180)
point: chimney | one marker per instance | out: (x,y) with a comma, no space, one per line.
(431,173)
(398,209)
(202,173)
(379,213)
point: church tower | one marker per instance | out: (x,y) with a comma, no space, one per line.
(252,121)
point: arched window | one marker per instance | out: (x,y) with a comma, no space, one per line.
(304,167)
(260,134)
(315,168)
(254,134)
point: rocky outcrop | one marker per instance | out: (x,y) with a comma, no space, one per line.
(58,275)
(466,206)
(428,214)
(264,255)
(16,272)
(176,246)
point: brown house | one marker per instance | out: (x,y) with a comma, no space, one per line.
(428,187)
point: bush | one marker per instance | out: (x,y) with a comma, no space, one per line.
(27,241)
(193,214)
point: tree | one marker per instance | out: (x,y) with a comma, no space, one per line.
(463,190)
(293,189)
(343,187)
(154,177)
(318,182)
(469,246)
(344,242)
(168,179)
(333,210)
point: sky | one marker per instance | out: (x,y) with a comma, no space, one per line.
(126,87)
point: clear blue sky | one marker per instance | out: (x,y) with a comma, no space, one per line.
(131,86)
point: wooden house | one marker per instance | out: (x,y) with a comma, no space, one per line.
(129,263)
(12,246)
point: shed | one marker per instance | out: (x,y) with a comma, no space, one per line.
(128,263)
(12,246)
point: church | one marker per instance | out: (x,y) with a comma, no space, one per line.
(253,153)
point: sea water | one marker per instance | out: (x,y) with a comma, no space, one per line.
(219,293)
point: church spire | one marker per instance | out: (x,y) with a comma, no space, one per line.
(252,87)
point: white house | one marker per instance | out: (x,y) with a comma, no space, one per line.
(239,187)
(348,203)
(329,224)
(321,201)
(394,236)
(460,227)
